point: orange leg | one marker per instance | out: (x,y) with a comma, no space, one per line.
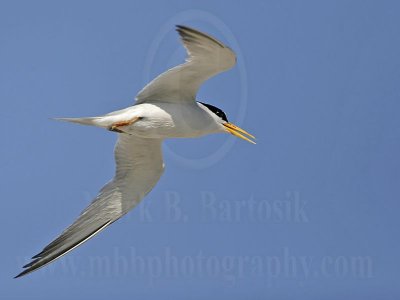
(116,126)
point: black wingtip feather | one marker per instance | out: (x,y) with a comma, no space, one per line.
(21,274)
(184,31)
(40,261)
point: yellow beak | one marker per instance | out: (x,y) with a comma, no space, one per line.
(239,132)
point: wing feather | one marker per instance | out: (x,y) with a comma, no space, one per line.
(139,167)
(206,57)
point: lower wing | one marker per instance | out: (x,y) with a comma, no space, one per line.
(139,167)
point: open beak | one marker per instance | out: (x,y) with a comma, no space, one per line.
(239,132)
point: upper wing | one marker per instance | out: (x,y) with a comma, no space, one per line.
(139,167)
(206,58)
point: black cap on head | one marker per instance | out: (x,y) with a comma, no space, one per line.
(216,111)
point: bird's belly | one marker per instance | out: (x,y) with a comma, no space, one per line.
(155,129)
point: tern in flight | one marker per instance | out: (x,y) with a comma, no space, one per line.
(164,108)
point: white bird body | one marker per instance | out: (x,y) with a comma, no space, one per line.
(165,108)
(160,120)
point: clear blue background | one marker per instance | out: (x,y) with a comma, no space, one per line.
(317,83)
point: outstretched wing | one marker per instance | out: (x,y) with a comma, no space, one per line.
(206,58)
(139,167)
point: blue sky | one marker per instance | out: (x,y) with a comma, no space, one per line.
(309,212)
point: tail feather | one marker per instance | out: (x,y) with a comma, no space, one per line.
(93,121)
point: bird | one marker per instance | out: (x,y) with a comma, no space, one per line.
(165,108)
